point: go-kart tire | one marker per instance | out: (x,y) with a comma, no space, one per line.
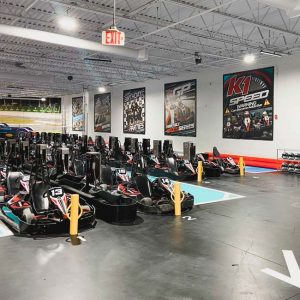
(147,201)
(86,208)
(165,207)
(27,215)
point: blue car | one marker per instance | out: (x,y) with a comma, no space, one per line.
(7,131)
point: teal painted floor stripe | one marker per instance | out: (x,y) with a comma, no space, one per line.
(257,170)
(4,231)
(203,195)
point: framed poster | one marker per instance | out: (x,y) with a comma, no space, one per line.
(102,112)
(134,111)
(248,103)
(77,114)
(180,108)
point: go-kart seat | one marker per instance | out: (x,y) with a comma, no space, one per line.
(216,153)
(172,164)
(106,175)
(13,182)
(144,186)
(39,196)
(78,167)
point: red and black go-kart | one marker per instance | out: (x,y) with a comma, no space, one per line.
(179,170)
(41,211)
(154,197)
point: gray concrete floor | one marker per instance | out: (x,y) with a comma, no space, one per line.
(217,256)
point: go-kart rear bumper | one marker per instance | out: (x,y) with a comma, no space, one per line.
(44,227)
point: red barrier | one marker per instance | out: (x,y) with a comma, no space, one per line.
(262,162)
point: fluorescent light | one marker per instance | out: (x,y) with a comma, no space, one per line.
(270,53)
(102,89)
(249,58)
(67,23)
(43,99)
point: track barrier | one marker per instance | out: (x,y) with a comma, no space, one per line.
(74,216)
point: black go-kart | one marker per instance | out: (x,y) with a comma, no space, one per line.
(42,210)
(181,170)
(210,168)
(227,164)
(154,197)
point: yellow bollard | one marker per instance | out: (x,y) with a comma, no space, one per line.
(242,166)
(74,217)
(200,171)
(177,198)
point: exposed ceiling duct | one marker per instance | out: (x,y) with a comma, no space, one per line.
(65,40)
(26,77)
(292,7)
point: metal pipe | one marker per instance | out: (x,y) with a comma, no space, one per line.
(65,40)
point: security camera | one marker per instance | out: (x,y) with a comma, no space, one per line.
(70,77)
(198,59)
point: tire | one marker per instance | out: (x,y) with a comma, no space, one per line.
(21,134)
(27,215)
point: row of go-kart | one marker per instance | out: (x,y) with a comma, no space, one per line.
(37,182)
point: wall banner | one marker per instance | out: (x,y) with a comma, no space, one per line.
(180,108)
(248,99)
(77,114)
(17,114)
(134,111)
(102,112)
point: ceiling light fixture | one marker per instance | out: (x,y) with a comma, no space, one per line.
(67,23)
(249,58)
(270,53)
(102,89)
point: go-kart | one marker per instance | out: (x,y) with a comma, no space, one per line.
(113,206)
(210,168)
(181,170)
(154,197)
(227,165)
(42,209)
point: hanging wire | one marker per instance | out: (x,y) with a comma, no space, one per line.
(114,14)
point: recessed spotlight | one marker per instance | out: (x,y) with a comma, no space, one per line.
(249,58)
(102,89)
(43,99)
(67,23)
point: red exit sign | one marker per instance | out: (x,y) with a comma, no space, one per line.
(113,37)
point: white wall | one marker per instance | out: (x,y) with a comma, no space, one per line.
(210,110)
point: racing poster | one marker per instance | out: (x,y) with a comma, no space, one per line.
(248,99)
(134,111)
(180,108)
(102,112)
(77,114)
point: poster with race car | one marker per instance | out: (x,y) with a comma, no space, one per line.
(19,116)
(134,111)
(248,99)
(102,112)
(77,114)
(180,108)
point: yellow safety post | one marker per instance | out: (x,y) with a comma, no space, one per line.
(177,197)
(74,216)
(242,166)
(200,171)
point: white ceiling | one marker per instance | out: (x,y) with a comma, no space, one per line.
(221,33)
